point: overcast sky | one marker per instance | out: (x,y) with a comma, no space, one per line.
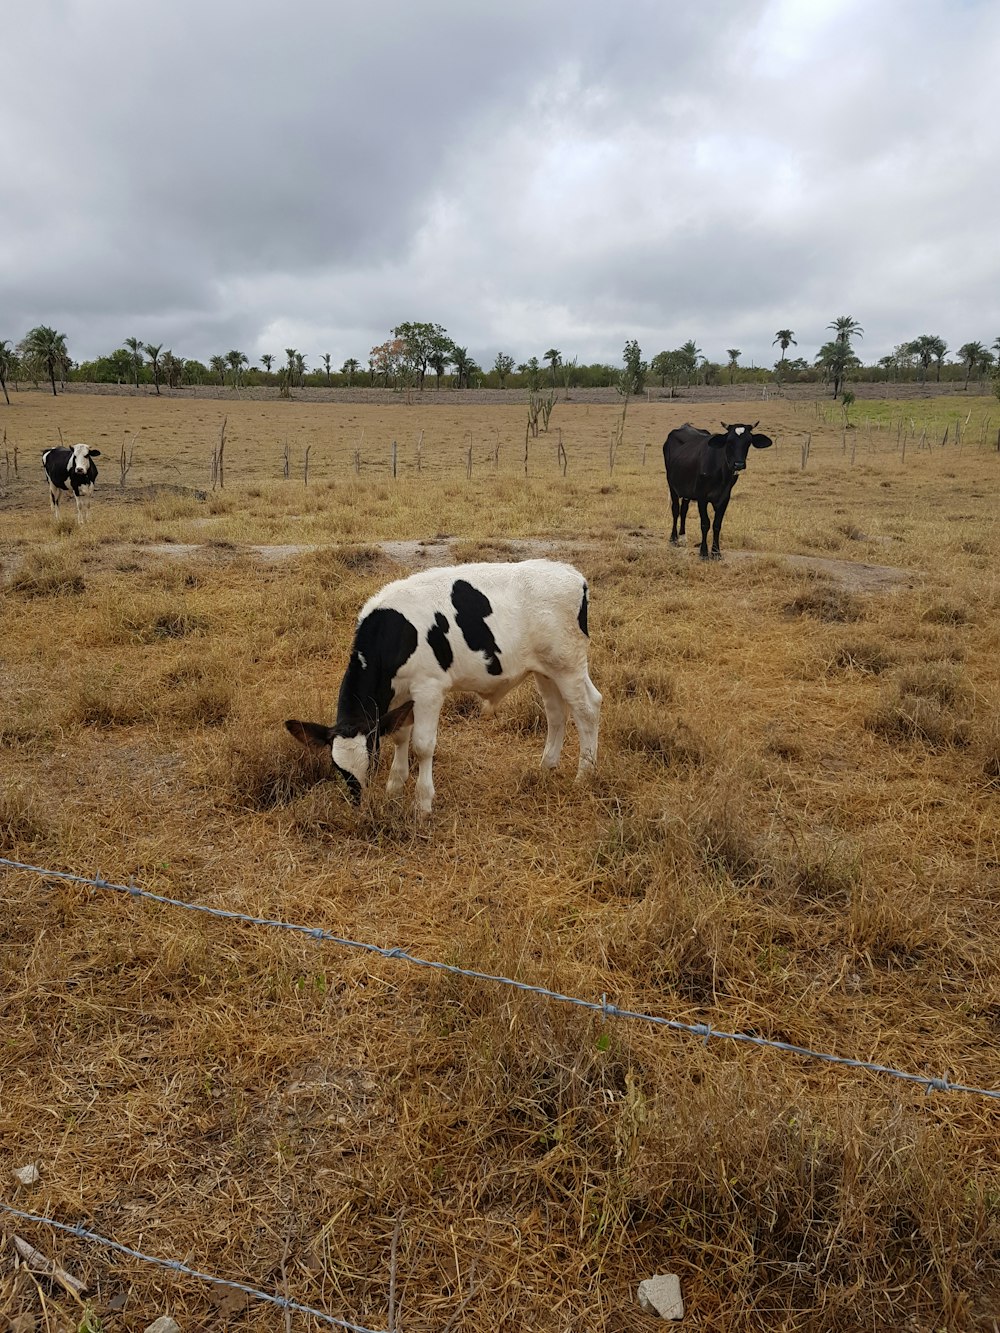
(565,174)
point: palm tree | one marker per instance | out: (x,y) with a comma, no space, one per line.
(440,357)
(173,369)
(6,366)
(154,359)
(462,363)
(689,354)
(266,361)
(925,349)
(325,358)
(292,355)
(734,355)
(218,365)
(836,358)
(785,338)
(972,354)
(554,357)
(237,361)
(846,328)
(350,368)
(47,349)
(135,347)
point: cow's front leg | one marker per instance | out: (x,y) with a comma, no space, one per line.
(703,515)
(400,769)
(720,510)
(426,710)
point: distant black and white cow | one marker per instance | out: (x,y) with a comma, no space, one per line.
(704,467)
(71,472)
(480,627)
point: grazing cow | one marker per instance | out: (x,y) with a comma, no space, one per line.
(72,471)
(482,628)
(704,467)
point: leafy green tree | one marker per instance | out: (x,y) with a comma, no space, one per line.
(785,338)
(635,368)
(835,359)
(534,374)
(973,355)
(267,361)
(154,360)
(47,349)
(218,367)
(350,368)
(734,354)
(136,349)
(423,341)
(502,367)
(6,367)
(554,357)
(668,366)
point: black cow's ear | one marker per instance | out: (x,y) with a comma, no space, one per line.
(311,734)
(396,718)
(94,453)
(761,441)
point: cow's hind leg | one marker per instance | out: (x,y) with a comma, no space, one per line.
(676,514)
(54,501)
(584,701)
(555,717)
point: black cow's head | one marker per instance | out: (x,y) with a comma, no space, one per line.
(737,441)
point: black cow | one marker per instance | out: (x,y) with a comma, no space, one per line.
(479,627)
(704,467)
(71,472)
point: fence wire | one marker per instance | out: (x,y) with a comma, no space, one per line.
(603,1007)
(176,1266)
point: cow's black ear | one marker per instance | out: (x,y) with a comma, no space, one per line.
(94,453)
(761,441)
(311,734)
(396,718)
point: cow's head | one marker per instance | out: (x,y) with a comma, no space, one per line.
(737,441)
(80,458)
(352,749)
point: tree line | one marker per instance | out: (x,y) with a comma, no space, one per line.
(420,353)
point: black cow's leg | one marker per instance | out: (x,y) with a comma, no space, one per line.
(703,515)
(675,510)
(720,510)
(684,514)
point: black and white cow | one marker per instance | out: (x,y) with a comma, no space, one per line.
(71,472)
(704,467)
(479,627)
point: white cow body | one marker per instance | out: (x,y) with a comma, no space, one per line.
(479,627)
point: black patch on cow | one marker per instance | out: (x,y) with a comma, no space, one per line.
(582,613)
(437,637)
(351,782)
(471,609)
(383,641)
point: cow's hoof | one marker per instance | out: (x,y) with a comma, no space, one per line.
(716,555)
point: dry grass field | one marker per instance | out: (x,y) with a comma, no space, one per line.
(794,831)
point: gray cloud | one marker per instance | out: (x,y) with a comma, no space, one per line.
(225,175)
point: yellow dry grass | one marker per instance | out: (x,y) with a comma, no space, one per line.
(793,831)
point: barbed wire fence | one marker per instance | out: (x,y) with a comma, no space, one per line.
(606,1009)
